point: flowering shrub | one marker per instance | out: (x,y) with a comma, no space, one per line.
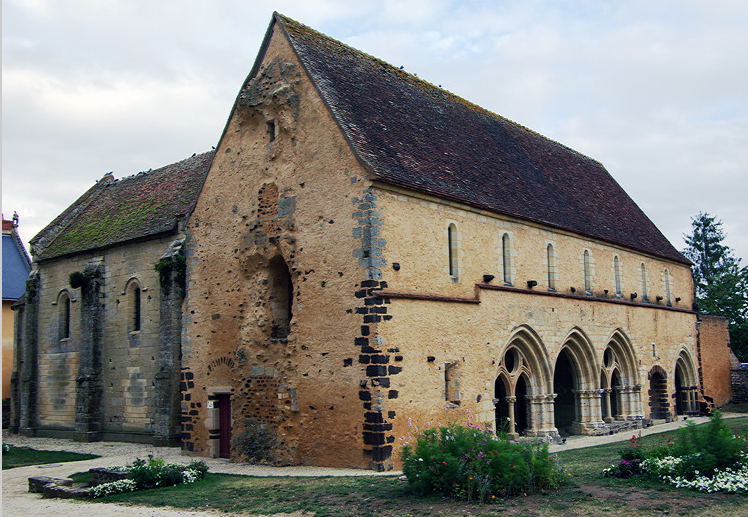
(151,473)
(474,464)
(155,473)
(115,487)
(6,448)
(707,458)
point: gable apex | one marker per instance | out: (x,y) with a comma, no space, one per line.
(415,135)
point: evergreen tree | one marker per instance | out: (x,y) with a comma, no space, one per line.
(721,283)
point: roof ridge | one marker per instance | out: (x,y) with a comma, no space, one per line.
(434,89)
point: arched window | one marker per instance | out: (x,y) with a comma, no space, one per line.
(551,257)
(506,258)
(135,306)
(587,272)
(63,307)
(452,245)
(643,279)
(668,296)
(617,275)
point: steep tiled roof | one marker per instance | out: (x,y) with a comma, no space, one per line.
(117,211)
(412,134)
(16,265)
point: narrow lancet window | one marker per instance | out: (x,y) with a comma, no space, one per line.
(644,286)
(617,275)
(551,257)
(587,272)
(136,307)
(63,304)
(506,255)
(454,270)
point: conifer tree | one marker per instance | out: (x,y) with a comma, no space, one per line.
(721,283)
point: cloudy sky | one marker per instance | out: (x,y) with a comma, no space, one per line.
(656,90)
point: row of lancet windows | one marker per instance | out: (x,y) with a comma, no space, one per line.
(552,267)
(133,306)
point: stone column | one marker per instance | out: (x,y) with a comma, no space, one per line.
(588,411)
(166,407)
(29,357)
(608,411)
(89,389)
(512,427)
(541,415)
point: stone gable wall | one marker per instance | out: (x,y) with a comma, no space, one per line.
(281,193)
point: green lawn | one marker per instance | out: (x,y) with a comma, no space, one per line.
(24,456)
(587,494)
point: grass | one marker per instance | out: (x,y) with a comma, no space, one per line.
(587,494)
(25,456)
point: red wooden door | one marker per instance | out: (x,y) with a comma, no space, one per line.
(224,425)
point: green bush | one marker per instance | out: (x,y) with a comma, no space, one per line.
(474,464)
(697,451)
(156,473)
(707,448)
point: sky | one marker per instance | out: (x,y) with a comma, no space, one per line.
(657,91)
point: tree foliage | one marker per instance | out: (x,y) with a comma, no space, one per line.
(721,283)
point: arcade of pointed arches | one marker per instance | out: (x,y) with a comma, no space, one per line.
(581,392)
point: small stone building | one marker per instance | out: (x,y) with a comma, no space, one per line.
(98,352)
(371,253)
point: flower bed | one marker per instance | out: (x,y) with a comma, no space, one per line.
(151,473)
(706,458)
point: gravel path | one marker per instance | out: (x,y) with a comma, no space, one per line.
(18,502)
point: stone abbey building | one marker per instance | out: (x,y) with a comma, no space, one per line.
(368,253)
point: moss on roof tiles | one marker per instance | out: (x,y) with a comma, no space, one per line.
(413,134)
(137,207)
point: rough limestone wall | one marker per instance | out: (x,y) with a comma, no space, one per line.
(58,359)
(739,383)
(267,205)
(130,358)
(423,336)
(714,340)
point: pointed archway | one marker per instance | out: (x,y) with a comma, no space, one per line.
(576,382)
(523,403)
(619,380)
(686,385)
(659,405)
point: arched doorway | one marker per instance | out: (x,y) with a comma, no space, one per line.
(522,397)
(686,388)
(659,406)
(501,406)
(564,385)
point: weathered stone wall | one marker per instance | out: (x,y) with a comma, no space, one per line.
(739,381)
(279,201)
(451,322)
(714,340)
(121,365)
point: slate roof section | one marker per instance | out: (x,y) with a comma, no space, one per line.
(138,207)
(16,266)
(412,134)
